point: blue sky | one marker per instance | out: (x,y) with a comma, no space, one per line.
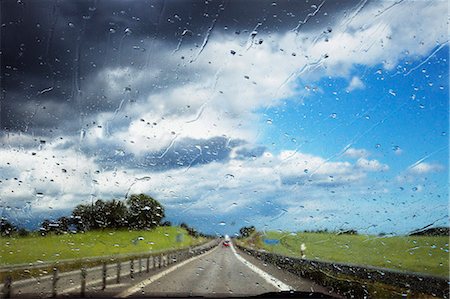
(400,120)
(324,122)
(232,120)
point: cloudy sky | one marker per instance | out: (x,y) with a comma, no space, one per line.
(282,114)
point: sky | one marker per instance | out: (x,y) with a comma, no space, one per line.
(286,115)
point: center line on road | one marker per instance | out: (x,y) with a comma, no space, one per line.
(136,288)
(266,276)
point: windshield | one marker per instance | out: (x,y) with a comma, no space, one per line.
(224,147)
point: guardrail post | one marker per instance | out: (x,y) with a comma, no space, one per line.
(148,264)
(132,268)
(7,287)
(54,282)
(83,282)
(159,260)
(140,265)
(118,272)
(104,269)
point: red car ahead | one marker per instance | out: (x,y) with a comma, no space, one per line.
(226,243)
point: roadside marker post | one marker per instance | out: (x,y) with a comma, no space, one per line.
(55,279)
(148,264)
(7,287)
(118,272)
(83,282)
(302,250)
(132,269)
(104,276)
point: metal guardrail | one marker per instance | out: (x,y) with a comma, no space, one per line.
(152,260)
(116,257)
(358,279)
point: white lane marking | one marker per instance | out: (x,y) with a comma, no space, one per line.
(136,288)
(266,276)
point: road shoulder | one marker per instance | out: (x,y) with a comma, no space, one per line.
(299,284)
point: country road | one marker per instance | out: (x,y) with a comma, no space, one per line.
(222,271)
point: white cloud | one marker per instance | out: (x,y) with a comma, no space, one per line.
(371,165)
(355,83)
(60,179)
(49,178)
(356,153)
(372,38)
(398,151)
(418,173)
(424,168)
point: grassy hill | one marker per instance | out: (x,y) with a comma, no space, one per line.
(423,254)
(36,248)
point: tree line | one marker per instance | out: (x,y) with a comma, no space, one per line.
(138,212)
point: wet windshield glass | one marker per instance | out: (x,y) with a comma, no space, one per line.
(140,135)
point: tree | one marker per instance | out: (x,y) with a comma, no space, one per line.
(347,232)
(190,230)
(99,217)
(60,226)
(63,224)
(6,228)
(22,232)
(144,211)
(83,217)
(93,216)
(246,231)
(166,223)
(45,227)
(116,214)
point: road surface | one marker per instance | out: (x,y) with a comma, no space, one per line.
(222,271)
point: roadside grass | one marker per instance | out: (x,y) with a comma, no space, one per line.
(37,249)
(421,254)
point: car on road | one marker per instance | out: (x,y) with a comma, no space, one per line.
(226,243)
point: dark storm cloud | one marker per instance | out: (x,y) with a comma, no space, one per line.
(245,153)
(59,45)
(185,153)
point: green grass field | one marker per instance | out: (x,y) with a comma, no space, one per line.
(34,249)
(421,254)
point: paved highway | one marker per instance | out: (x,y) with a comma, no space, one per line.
(222,271)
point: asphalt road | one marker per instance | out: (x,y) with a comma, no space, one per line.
(222,271)
(218,272)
